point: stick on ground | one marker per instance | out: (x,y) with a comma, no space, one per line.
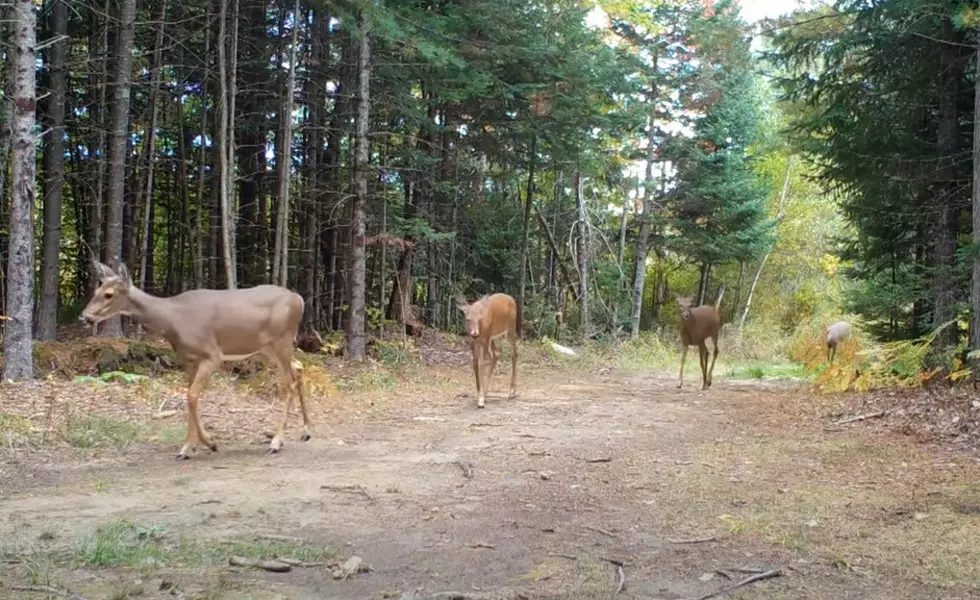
(274,566)
(466,467)
(701,540)
(600,530)
(876,415)
(349,489)
(747,581)
(622,580)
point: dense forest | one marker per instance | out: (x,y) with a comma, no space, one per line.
(589,158)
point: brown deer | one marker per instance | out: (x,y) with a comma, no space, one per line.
(698,323)
(207,328)
(487,319)
(836,333)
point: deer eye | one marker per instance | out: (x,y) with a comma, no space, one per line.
(108,294)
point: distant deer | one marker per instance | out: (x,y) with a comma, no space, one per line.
(836,333)
(487,319)
(698,323)
(207,328)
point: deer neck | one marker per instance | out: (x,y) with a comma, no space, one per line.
(150,310)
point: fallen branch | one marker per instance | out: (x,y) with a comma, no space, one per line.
(274,566)
(622,580)
(747,581)
(349,489)
(600,459)
(876,415)
(305,565)
(466,467)
(482,545)
(701,540)
(600,530)
(560,555)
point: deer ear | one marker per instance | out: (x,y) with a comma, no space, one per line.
(461,303)
(123,274)
(102,271)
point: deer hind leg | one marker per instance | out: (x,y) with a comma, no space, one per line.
(714,356)
(301,394)
(289,382)
(680,383)
(492,367)
(198,375)
(512,338)
(703,363)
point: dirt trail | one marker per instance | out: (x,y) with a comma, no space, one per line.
(575,476)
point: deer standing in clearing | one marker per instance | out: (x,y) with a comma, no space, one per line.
(487,319)
(836,333)
(207,328)
(698,323)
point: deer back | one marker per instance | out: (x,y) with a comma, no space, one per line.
(499,314)
(838,331)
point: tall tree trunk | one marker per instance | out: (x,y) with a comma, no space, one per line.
(98,66)
(226,137)
(622,235)
(6,116)
(553,256)
(146,254)
(280,264)
(583,256)
(18,344)
(643,239)
(118,139)
(197,229)
(355,333)
(54,174)
(948,213)
(528,204)
(762,264)
(975,280)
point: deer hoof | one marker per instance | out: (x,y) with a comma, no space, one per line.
(213,447)
(182,456)
(306,437)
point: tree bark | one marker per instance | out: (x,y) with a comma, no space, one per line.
(118,140)
(355,332)
(54,174)
(18,344)
(529,200)
(146,245)
(583,256)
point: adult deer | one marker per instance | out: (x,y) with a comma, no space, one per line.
(698,323)
(487,319)
(207,328)
(836,334)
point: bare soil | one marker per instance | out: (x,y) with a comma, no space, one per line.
(589,482)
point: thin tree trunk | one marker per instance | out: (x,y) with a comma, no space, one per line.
(118,139)
(622,235)
(146,255)
(975,281)
(98,85)
(280,265)
(6,116)
(643,239)
(197,231)
(54,175)
(225,141)
(355,333)
(765,258)
(18,343)
(583,257)
(553,256)
(529,200)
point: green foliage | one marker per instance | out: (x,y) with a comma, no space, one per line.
(109,377)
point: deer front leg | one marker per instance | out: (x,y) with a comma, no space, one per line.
(477,349)
(298,372)
(199,375)
(680,383)
(703,362)
(289,386)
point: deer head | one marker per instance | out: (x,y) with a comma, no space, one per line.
(685,303)
(473,314)
(112,296)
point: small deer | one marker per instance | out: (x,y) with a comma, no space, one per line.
(698,323)
(207,328)
(487,319)
(836,333)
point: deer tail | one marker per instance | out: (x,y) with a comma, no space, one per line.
(721,294)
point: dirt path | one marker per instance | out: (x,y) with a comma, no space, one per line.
(578,476)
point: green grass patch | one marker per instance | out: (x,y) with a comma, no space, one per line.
(763,371)
(127,544)
(103,432)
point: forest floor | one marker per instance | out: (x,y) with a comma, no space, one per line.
(595,482)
